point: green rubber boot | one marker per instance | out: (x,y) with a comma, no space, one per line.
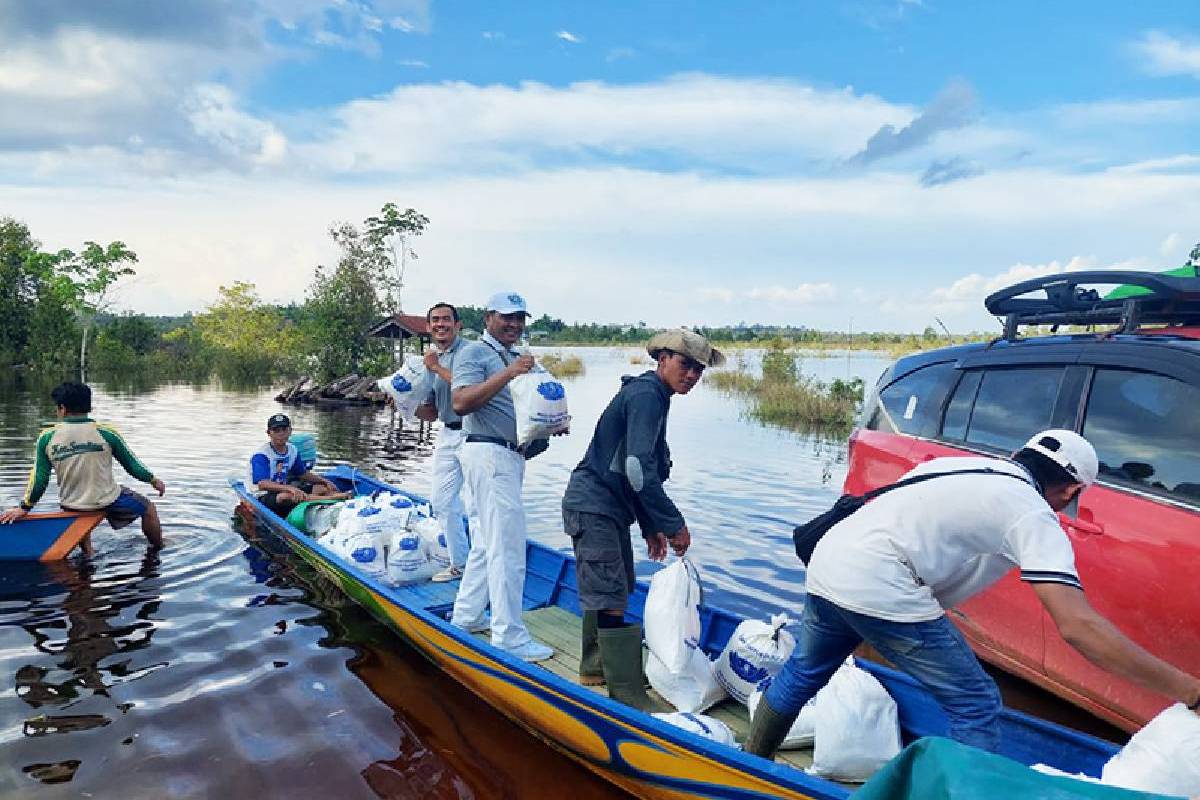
(591,673)
(621,658)
(767,731)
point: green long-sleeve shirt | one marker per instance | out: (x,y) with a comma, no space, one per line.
(80,451)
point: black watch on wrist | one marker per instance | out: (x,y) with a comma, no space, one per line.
(26,507)
(1196,705)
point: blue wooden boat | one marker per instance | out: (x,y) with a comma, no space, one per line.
(641,754)
(46,537)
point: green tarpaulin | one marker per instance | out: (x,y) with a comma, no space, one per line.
(940,769)
(1121,292)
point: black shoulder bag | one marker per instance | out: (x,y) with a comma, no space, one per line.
(806,536)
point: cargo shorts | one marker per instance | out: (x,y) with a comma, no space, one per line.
(603,560)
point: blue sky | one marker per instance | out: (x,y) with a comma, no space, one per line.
(885,161)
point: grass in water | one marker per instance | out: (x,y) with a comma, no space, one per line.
(561,366)
(785,397)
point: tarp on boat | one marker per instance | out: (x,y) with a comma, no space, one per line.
(934,768)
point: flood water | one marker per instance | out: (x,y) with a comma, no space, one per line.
(224,666)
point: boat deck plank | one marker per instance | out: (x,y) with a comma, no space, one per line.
(561,629)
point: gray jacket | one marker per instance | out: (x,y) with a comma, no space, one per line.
(622,473)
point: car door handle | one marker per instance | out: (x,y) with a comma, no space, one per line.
(1082,526)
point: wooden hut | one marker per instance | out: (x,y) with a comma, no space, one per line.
(400,328)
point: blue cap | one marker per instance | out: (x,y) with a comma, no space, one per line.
(507,303)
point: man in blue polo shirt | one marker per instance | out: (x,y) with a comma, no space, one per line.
(277,470)
(494,469)
(446,467)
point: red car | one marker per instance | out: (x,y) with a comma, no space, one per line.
(1134,392)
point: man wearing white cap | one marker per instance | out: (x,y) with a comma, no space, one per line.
(887,573)
(620,480)
(494,468)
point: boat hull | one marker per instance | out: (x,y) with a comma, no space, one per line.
(46,537)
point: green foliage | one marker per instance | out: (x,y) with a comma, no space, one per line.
(786,398)
(389,234)
(779,363)
(249,339)
(561,366)
(343,302)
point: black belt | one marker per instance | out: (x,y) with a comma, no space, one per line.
(454,426)
(478,437)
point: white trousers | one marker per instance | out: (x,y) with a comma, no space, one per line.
(495,570)
(447,495)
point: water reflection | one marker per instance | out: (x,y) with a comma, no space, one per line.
(229,667)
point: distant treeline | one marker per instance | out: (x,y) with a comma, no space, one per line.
(55,315)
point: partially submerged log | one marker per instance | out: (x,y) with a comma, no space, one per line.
(352,389)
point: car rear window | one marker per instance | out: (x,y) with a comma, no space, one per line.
(1146,431)
(1012,405)
(913,404)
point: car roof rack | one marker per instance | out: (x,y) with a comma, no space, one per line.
(1166,299)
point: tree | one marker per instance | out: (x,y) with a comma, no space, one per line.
(390,233)
(92,273)
(18,288)
(344,301)
(251,340)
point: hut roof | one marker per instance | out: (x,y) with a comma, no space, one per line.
(400,326)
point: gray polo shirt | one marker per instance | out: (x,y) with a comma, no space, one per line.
(475,363)
(439,394)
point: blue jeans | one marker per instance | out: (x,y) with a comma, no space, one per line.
(933,652)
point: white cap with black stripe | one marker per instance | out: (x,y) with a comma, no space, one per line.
(1070,451)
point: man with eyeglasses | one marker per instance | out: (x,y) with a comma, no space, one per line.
(277,470)
(620,481)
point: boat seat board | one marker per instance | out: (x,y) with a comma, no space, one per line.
(560,629)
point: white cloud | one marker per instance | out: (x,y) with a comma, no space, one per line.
(414,63)
(619,54)
(211,110)
(801,294)
(1170,245)
(567,36)
(972,289)
(1179,163)
(1168,55)
(744,123)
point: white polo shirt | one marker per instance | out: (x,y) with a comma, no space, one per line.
(912,553)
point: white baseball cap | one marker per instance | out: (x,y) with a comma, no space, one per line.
(1070,451)
(507,303)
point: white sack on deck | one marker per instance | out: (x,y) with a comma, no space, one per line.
(430,531)
(701,725)
(857,726)
(408,558)
(755,653)
(1163,757)
(692,689)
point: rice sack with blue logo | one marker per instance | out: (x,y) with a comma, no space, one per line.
(540,402)
(408,386)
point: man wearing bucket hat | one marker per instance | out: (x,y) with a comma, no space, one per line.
(620,481)
(887,573)
(493,470)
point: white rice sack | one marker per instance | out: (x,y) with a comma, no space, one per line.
(396,510)
(320,518)
(857,727)
(754,654)
(430,531)
(1163,757)
(408,559)
(540,402)
(701,725)
(407,386)
(671,618)
(362,550)
(692,689)
(802,732)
